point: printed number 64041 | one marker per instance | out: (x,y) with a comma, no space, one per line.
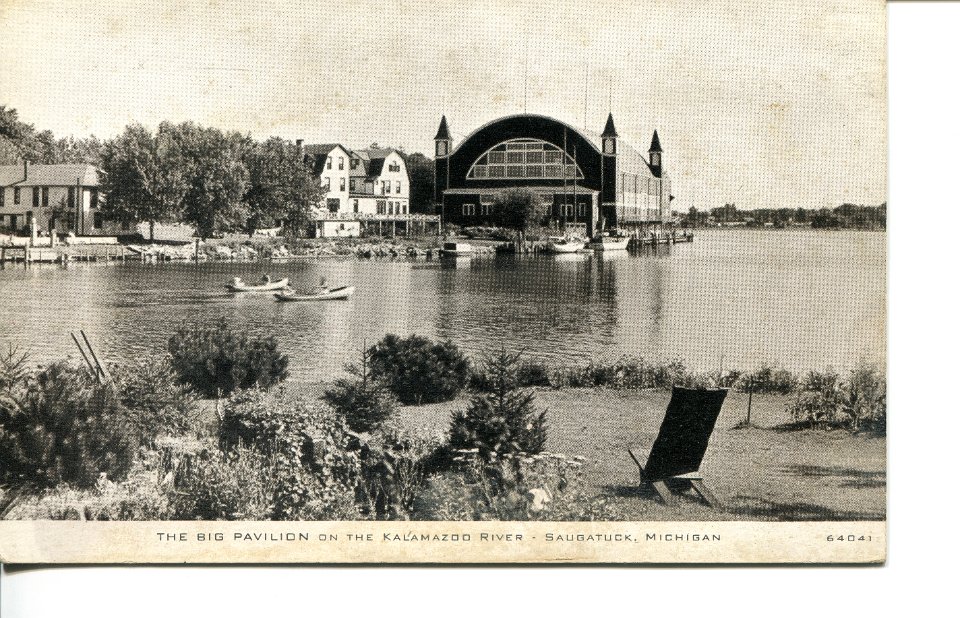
(849,537)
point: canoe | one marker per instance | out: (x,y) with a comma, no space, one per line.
(341,293)
(273,286)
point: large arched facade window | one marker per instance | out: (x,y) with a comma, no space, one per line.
(525,159)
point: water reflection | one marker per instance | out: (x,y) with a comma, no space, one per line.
(805,299)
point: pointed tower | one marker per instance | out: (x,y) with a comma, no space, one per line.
(441,162)
(656,154)
(609,137)
(442,139)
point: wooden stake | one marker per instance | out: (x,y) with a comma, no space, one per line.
(102,369)
(85,359)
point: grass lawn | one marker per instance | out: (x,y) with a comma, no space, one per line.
(759,473)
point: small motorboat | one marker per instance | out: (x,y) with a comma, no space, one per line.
(565,245)
(609,243)
(456,248)
(237,285)
(341,293)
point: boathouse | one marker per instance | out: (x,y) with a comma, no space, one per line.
(587,182)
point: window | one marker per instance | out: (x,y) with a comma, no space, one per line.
(3,197)
(16,195)
(469,209)
(525,158)
(394,167)
(381,207)
(404,208)
(354,163)
(94,198)
(343,183)
(389,208)
(486,209)
(326,183)
(97,220)
(356,205)
(36,197)
(398,187)
(582,210)
(385,185)
(71,197)
(46,196)
(329,163)
(340,163)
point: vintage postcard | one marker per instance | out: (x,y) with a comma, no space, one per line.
(443,282)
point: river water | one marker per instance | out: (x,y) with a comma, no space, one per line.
(800,298)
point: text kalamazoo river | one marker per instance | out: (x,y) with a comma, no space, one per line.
(801,298)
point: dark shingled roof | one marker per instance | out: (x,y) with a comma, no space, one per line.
(376,166)
(655,143)
(609,130)
(443,132)
(40,175)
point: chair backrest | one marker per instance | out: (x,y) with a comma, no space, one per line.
(684,433)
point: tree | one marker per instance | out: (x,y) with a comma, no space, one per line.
(419,370)
(516,209)
(218,179)
(144,177)
(420,170)
(364,401)
(501,420)
(281,187)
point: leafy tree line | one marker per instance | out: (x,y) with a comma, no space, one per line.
(214,180)
(217,181)
(843,216)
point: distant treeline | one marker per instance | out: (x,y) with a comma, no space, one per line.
(844,216)
(217,181)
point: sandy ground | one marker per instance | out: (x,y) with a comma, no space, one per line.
(758,473)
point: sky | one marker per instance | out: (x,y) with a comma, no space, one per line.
(760,104)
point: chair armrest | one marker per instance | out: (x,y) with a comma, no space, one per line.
(639,454)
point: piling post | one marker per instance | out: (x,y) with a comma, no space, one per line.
(749,398)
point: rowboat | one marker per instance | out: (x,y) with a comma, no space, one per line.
(456,248)
(609,243)
(341,293)
(271,286)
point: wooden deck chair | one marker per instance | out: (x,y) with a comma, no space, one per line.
(675,457)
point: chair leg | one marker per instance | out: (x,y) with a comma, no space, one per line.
(665,494)
(705,493)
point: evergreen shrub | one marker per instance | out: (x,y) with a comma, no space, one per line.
(218,361)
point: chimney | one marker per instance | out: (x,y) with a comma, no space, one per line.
(300,148)
(26,165)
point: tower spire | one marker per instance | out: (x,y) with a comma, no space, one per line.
(443,132)
(609,130)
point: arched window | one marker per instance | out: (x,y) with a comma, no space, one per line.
(525,158)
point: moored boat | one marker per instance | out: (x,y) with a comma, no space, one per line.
(456,248)
(237,285)
(609,243)
(565,245)
(341,293)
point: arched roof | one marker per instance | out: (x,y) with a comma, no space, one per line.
(536,124)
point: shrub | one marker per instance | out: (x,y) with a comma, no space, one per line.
(394,467)
(547,487)
(157,405)
(240,484)
(418,370)
(858,403)
(769,379)
(501,420)
(363,401)
(59,425)
(139,498)
(314,455)
(217,360)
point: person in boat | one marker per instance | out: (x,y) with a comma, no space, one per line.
(265,278)
(237,281)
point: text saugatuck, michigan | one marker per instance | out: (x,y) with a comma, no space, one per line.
(422,537)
